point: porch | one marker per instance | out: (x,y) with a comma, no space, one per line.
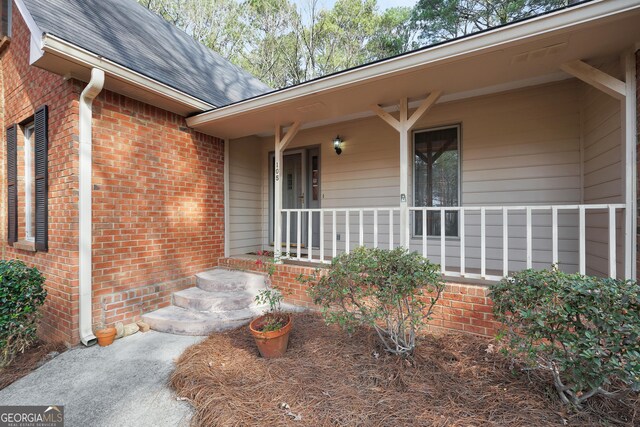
(527,162)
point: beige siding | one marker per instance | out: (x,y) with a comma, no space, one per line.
(521,147)
(245,196)
(603,168)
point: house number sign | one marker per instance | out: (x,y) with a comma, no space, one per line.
(277,171)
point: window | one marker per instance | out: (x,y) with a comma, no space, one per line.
(5,18)
(27,183)
(437,178)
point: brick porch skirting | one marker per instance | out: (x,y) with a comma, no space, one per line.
(461,307)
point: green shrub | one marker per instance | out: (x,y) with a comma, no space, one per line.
(21,294)
(584,330)
(383,289)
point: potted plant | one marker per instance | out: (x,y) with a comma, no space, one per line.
(271,330)
(105,336)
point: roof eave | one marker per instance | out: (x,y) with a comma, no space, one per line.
(453,50)
(61,48)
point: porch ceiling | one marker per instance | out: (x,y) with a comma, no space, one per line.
(518,55)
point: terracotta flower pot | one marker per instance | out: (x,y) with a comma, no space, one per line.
(273,343)
(106,336)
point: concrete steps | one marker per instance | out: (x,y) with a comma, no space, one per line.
(222,299)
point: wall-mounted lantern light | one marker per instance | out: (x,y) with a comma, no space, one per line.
(337,144)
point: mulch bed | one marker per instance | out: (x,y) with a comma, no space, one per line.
(31,359)
(329,378)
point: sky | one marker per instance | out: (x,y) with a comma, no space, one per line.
(386,4)
(382,4)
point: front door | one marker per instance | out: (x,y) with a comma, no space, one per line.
(300,190)
(292,197)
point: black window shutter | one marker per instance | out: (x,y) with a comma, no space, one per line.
(12,184)
(41,148)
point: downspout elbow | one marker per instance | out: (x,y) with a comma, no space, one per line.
(90,92)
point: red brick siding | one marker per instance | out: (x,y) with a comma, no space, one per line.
(157,202)
(26,88)
(158,215)
(461,307)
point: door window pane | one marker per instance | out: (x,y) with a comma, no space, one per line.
(437,178)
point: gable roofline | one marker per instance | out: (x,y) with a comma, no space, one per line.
(440,53)
(62,48)
(41,43)
(35,45)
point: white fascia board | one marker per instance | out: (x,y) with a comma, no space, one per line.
(59,47)
(35,44)
(468,46)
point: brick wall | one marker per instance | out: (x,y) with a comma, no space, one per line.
(158,197)
(158,215)
(461,307)
(25,88)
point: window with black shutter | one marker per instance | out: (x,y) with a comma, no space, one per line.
(27,183)
(12,184)
(41,144)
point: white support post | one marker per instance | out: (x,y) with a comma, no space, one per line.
(361,241)
(425,243)
(443,256)
(404,174)
(483,243)
(390,229)
(321,235)
(347,232)
(612,242)
(582,249)
(277,197)
(281,143)
(554,235)
(309,235)
(298,234)
(462,244)
(529,239)
(375,228)
(505,241)
(404,125)
(334,232)
(630,141)
(288,225)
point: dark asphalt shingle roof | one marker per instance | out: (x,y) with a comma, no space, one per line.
(130,35)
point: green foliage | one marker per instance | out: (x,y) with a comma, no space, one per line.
(585,330)
(271,297)
(284,42)
(438,20)
(392,291)
(21,294)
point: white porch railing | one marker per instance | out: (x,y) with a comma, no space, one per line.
(483,242)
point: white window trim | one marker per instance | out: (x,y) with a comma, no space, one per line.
(29,133)
(457,126)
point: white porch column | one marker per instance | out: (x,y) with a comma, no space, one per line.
(404,124)
(281,143)
(630,128)
(277,197)
(404,175)
(625,92)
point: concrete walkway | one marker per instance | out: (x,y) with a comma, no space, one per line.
(125,384)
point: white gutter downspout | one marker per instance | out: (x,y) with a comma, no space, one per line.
(84,204)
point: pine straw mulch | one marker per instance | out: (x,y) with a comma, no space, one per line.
(328,378)
(32,358)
